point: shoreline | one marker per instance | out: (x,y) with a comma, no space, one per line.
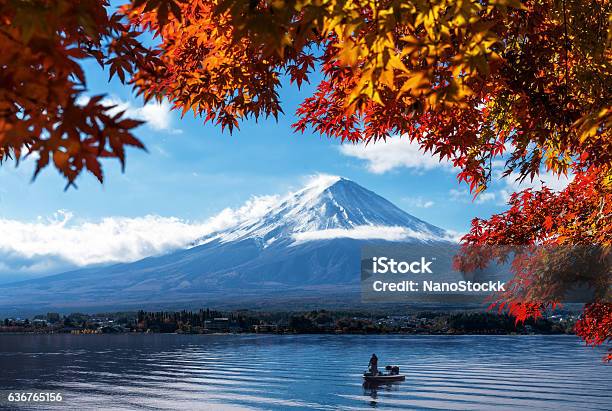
(322,322)
(283,334)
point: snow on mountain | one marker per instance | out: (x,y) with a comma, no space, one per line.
(331,207)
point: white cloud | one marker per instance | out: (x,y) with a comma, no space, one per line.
(53,244)
(508,185)
(157,115)
(504,196)
(485,197)
(548,179)
(394,153)
(418,202)
(463,195)
(107,240)
(365,232)
(320,181)
(459,194)
(254,208)
(454,236)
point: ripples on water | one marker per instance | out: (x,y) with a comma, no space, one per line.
(301,372)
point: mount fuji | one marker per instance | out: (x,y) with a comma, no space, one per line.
(304,247)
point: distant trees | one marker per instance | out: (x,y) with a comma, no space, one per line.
(482,323)
(313,322)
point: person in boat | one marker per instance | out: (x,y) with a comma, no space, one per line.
(373,364)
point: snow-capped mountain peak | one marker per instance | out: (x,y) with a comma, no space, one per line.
(331,207)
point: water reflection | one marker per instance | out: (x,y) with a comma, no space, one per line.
(306,372)
(371,389)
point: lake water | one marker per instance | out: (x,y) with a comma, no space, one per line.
(190,372)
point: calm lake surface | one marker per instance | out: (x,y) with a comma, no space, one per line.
(137,372)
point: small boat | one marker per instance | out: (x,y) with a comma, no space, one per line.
(383,378)
(391,375)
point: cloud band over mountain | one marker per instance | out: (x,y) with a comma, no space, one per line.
(62,241)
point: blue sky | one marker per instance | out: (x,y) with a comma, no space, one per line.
(194,171)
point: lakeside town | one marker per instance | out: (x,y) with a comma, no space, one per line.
(206,321)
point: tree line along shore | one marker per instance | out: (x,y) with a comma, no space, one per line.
(205,321)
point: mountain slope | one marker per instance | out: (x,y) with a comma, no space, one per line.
(309,240)
(328,203)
